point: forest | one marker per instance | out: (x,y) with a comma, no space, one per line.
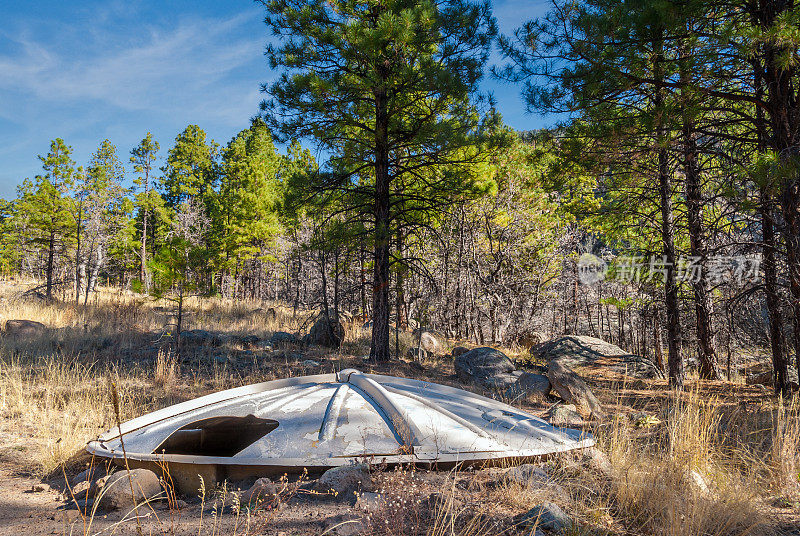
(378,196)
(677,171)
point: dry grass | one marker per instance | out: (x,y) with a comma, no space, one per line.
(713,467)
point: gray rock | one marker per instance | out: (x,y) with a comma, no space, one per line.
(346,480)
(532,476)
(529,385)
(597,461)
(90,474)
(115,490)
(345,525)
(487,367)
(24,328)
(577,350)
(573,389)
(564,415)
(264,490)
(369,501)
(282,339)
(429,342)
(458,350)
(547,516)
(310,363)
(248,340)
(327,331)
(201,337)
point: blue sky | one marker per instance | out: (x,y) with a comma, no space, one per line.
(86,71)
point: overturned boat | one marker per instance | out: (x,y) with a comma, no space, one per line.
(328,420)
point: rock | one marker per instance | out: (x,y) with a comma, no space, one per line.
(577,350)
(546,516)
(310,363)
(564,415)
(24,328)
(429,342)
(528,338)
(83,490)
(346,480)
(248,340)
(597,461)
(417,353)
(91,474)
(115,490)
(487,367)
(766,377)
(201,337)
(283,339)
(698,482)
(443,501)
(345,525)
(370,501)
(327,331)
(572,389)
(459,350)
(529,385)
(532,476)
(262,491)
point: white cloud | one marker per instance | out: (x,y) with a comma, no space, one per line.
(160,70)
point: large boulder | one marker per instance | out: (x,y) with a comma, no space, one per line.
(487,367)
(529,337)
(327,331)
(24,328)
(115,490)
(529,385)
(581,350)
(429,341)
(573,389)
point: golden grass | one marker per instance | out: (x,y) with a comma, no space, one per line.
(710,468)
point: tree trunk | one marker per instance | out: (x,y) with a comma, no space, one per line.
(702,295)
(143,268)
(674,360)
(379,350)
(780,364)
(51,252)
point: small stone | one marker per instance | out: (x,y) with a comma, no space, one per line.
(369,501)
(263,490)
(546,516)
(90,474)
(597,461)
(310,363)
(345,525)
(346,479)
(116,488)
(564,415)
(698,482)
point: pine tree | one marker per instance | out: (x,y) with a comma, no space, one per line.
(143,158)
(191,170)
(387,88)
(245,216)
(46,204)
